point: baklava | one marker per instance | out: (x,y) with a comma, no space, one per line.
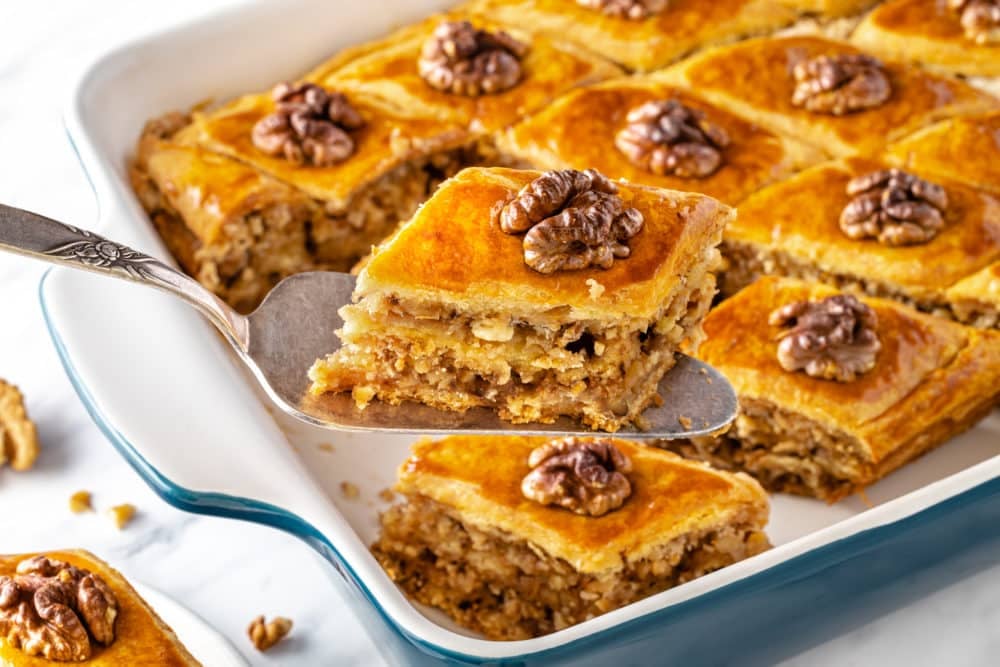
(823,92)
(861,225)
(518,537)
(537,295)
(646,132)
(837,391)
(71,607)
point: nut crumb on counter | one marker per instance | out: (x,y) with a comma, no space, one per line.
(80,502)
(18,435)
(387,495)
(350,491)
(265,634)
(326,447)
(122,515)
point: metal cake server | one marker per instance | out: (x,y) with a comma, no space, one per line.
(296,324)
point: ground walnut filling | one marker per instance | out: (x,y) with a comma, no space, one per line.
(508,588)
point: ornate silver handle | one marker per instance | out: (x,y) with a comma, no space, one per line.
(33,235)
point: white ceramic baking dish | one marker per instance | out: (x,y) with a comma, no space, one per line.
(173,401)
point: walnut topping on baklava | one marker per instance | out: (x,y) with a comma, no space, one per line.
(458,58)
(668,137)
(309,125)
(635,10)
(895,207)
(980,19)
(573,219)
(52,609)
(834,338)
(584,475)
(840,84)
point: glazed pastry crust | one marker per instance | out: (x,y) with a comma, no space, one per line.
(799,217)
(830,8)
(578,131)
(387,69)
(932,379)
(965,149)
(452,252)
(753,79)
(480,477)
(142,639)
(642,46)
(927,32)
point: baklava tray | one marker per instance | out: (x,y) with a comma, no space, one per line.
(165,391)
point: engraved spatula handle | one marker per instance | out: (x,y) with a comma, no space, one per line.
(32,235)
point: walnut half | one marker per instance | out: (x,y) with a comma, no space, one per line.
(635,10)
(459,59)
(52,609)
(584,475)
(668,137)
(265,634)
(834,338)
(840,84)
(574,220)
(980,19)
(895,207)
(18,435)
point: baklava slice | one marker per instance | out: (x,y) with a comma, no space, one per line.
(956,36)
(71,607)
(824,92)
(533,294)
(964,149)
(518,537)
(866,227)
(641,35)
(646,132)
(976,299)
(837,391)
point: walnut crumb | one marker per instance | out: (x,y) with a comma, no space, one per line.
(326,447)
(685,422)
(18,435)
(387,495)
(122,515)
(349,490)
(265,634)
(79,502)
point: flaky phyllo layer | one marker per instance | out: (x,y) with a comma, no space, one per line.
(509,588)
(529,368)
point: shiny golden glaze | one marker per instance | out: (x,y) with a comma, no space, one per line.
(141,638)
(756,75)
(800,217)
(966,149)
(480,477)
(391,73)
(742,345)
(452,245)
(926,18)
(578,131)
(388,139)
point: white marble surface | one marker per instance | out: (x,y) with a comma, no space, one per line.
(228,571)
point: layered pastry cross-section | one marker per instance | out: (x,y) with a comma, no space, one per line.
(824,92)
(836,392)
(517,537)
(533,294)
(860,225)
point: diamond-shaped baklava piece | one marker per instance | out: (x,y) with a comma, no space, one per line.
(410,70)
(664,34)
(618,127)
(567,319)
(976,299)
(965,149)
(802,228)
(823,92)
(474,536)
(933,34)
(69,607)
(918,380)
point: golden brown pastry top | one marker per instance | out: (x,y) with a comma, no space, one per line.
(578,131)
(829,8)
(388,69)
(480,478)
(141,638)
(389,138)
(754,79)
(981,289)
(453,252)
(924,364)
(801,216)
(647,44)
(965,149)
